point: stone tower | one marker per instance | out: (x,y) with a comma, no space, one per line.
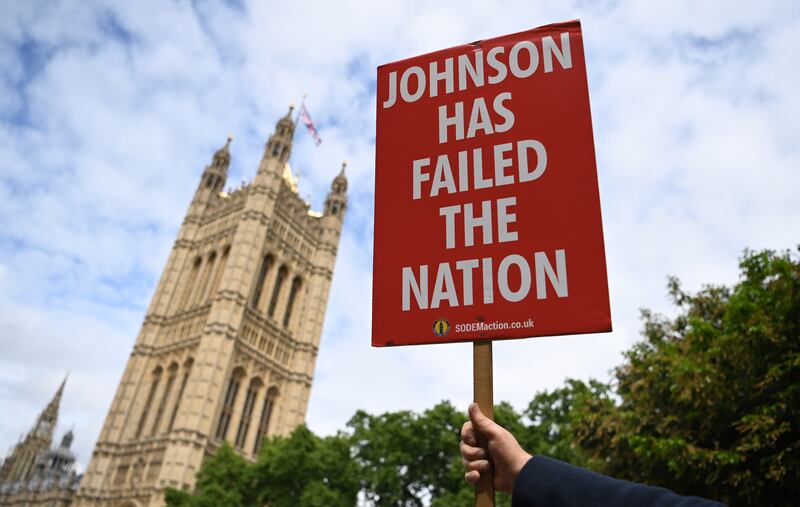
(34,474)
(20,465)
(229,343)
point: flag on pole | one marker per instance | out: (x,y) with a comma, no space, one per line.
(306,118)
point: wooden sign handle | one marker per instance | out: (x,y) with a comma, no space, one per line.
(484,397)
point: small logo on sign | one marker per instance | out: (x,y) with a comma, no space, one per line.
(441,327)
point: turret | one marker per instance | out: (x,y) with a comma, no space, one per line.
(336,202)
(279,145)
(66,440)
(215,174)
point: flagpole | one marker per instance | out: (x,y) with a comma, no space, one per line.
(297,117)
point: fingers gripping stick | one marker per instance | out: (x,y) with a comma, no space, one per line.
(483,394)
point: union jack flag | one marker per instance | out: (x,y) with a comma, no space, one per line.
(306,118)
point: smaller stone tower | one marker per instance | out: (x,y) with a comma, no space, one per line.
(20,465)
(35,475)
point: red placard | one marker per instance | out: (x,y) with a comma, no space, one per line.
(487,211)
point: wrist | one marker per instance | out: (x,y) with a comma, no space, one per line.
(520,462)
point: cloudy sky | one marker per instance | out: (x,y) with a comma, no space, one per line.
(110,111)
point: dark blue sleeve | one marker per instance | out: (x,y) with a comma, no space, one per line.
(548,482)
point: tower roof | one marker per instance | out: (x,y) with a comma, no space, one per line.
(287,120)
(222,157)
(50,412)
(340,181)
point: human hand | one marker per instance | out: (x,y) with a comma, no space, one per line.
(504,455)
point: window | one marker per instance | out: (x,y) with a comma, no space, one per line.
(227,407)
(137,471)
(171,374)
(218,275)
(247,412)
(153,469)
(263,423)
(276,290)
(296,283)
(262,275)
(200,296)
(187,368)
(146,409)
(187,289)
(121,475)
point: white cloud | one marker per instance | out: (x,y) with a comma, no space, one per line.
(109,113)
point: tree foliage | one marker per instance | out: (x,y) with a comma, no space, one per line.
(302,470)
(710,400)
(707,404)
(224,480)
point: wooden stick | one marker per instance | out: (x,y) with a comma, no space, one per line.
(484,397)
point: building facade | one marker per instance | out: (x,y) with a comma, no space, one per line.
(228,346)
(34,473)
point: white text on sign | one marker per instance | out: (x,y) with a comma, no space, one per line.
(510,163)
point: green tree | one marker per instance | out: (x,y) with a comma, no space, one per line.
(301,470)
(408,459)
(224,480)
(555,416)
(405,458)
(709,402)
(305,470)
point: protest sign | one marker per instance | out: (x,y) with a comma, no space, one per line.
(487,210)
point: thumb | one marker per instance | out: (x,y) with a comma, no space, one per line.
(480,422)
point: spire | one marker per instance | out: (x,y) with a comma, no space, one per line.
(52,407)
(336,202)
(217,172)
(222,157)
(21,464)
(339,184)
(47,420)
(279,145)
(66,440)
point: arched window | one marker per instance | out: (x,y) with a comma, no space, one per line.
(200,297)
(273,302)
(218,275)
(137,471)
(247,412)
(266,263)
(146,410)
(192,278)
(187,368)
(296,284)
(266,413)
(230,399)
(121,475)
(172,372)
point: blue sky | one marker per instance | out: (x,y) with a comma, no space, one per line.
(110,111)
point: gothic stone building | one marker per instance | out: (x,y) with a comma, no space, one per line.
(35,474)
(229,343)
